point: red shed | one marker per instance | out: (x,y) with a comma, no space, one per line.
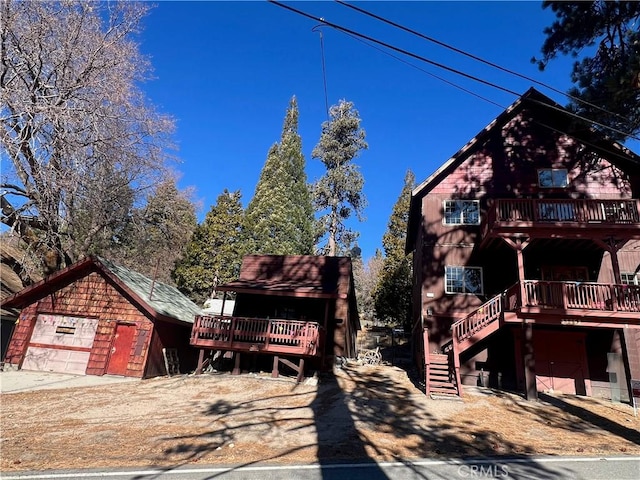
(98,318)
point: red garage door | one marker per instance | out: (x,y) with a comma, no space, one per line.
(560,362)
(60,344)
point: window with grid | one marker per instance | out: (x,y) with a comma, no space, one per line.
(553,177)
(630,278)
(461,212)
(463,280)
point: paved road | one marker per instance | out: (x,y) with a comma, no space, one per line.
(537,468)
(16,381)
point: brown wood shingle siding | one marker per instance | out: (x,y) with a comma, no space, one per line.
(93,297)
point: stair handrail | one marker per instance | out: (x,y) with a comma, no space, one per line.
(484,315)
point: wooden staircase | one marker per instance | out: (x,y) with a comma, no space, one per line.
(442,372)
(440,382)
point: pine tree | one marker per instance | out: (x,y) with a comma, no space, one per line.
(604,38)
(214,254)
(393,293)
(339,191)
(279,218)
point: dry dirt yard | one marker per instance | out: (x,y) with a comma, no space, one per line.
(363,412)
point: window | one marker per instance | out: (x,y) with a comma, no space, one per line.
(461,212)
(463,280)
(630,278)
(553,177)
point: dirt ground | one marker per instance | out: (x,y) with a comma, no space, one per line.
(361,412)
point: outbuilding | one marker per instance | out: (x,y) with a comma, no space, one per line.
(97,318)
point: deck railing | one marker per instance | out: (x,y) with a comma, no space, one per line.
(563,297)
(582,295)
(594,211)
(256,334)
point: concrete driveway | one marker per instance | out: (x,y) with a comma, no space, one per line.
(15,381)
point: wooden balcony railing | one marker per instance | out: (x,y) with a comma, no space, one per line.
(543,210)
(582,296)
(562,299)
(293,337)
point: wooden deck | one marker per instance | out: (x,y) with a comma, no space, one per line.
(552,303)
(242,334)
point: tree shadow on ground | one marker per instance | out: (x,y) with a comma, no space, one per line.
(356,415)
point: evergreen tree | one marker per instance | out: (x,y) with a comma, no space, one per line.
(156,233)
(393,293)
(214,254)
(339,191)
(279,218)
(607,77)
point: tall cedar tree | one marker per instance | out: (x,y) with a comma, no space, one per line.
(75,126)
(608,82)
(339,191)
(214,254)
(279,218)
(393,293)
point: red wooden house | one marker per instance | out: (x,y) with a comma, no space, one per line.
(294,308)
(98,318)
(526,259)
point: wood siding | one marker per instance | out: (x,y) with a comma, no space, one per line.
(91,296)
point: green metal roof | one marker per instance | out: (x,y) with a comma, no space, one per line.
(162,298)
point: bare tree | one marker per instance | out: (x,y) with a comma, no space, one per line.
(80,141)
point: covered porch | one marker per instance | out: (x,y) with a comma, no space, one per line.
(564,306)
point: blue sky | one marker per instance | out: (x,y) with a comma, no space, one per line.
(226,71)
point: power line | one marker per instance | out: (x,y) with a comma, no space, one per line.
(436,64)
(475,57)
(442,79)
(391,47)
(318,28)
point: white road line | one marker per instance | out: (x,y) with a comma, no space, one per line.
(420,463)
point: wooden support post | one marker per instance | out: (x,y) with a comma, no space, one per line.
(530,387)
(300,377)
(519,245)
(236,368)
(456,364)
(200,361)
(275,370)
(612,246)
(427,360)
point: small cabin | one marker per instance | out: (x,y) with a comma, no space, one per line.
(289,308)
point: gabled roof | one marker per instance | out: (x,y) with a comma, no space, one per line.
(293,275)
(161,301)
(581,131)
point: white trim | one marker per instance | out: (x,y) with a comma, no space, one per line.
(459,200)
(464,267)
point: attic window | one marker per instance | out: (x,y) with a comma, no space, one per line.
(461,212)
(553,177)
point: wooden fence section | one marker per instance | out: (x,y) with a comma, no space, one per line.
(610,212)
(256,334)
